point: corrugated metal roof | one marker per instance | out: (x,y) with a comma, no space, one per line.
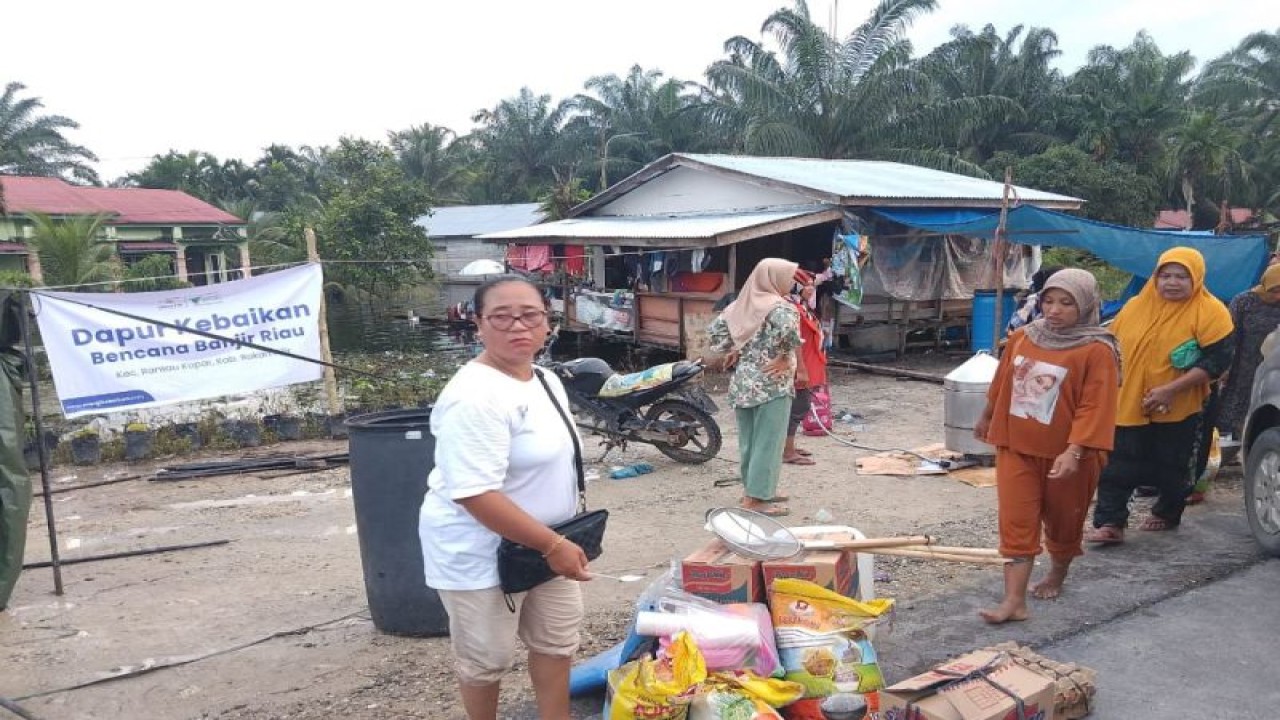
(874,180)
(667,227)
(469,220)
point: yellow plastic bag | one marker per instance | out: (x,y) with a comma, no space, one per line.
(742,695)
(658,689)
(822,639)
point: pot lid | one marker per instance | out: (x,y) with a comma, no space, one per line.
(980,368)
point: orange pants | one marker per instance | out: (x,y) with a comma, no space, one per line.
(1029,499)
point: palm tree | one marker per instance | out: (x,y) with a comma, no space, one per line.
(1248,79)
(1126,103)
(638,118)
(860,97)
(270,240)
(434,156)
(523,141)
(1206,154)
(70,253)
(1015,66)
(33,144)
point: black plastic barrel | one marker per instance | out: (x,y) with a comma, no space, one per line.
(391,454)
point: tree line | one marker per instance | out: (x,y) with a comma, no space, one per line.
(1134,130)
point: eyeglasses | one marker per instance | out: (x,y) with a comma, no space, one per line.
(528,319)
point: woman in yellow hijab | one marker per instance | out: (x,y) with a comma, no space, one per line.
(1175,339)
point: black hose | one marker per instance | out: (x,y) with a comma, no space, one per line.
(17,709)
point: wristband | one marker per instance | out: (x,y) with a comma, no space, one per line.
(559,539)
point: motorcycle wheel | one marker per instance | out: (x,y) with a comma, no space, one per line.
(697,442)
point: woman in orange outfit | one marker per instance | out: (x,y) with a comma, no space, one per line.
(1051,412)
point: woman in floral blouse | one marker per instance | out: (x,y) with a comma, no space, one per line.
(759,333)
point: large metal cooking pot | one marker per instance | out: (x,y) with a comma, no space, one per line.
(964,393)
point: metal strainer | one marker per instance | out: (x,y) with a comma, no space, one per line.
(753,535)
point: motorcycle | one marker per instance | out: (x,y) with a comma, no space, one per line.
(656,406)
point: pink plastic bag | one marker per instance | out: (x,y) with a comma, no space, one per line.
(819,404)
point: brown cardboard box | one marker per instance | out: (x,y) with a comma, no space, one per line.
(835,570)
(975,699)
(715,573)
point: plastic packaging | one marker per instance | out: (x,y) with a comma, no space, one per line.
(661,688)
(731,637)
(630,471)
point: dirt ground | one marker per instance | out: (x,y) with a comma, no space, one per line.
(274,624)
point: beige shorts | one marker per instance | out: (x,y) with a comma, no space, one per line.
(483,630)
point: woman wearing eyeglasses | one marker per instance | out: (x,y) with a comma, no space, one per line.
(504,468)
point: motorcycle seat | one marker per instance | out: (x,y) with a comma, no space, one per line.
(620,385)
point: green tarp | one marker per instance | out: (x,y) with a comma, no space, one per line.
(15,483)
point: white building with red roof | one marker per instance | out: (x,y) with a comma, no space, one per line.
(207,243)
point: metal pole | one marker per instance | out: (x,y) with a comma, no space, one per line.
(34,379)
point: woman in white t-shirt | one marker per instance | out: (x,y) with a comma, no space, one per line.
(504,468)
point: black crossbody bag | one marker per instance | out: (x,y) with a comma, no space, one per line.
(521,568)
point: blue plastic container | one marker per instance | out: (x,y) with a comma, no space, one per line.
(984,309)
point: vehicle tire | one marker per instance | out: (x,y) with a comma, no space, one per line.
(698,442)
(1262,490)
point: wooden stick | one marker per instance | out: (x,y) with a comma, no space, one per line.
(330,380)
(951,550)
(886,370)
(927,555)
(999,251)
(912,540)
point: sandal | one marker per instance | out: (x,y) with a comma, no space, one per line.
(800,460)
(779,498)
(770,510)
(805,453)
(1155,523)
(1105,535)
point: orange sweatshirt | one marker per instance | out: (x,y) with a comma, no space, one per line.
(1043,400)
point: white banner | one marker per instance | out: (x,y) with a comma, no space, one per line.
(105,362)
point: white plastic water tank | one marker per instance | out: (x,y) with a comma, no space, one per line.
(964,399)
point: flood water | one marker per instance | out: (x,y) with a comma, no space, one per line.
(361,328)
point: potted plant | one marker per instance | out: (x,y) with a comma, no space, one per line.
(86,447)
(138,441)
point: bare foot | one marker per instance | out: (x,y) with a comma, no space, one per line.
(1006,612)
(1051,586)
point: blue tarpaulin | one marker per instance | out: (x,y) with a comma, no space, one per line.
(1233,262)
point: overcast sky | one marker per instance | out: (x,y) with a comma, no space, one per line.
(231,77)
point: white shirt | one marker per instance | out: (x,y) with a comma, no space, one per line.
(493,432)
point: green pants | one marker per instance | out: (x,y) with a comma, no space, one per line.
(762,430)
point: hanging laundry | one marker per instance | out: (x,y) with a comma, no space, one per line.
(848,255)
(538,258)
(698,259)
(575,260)
(517,257)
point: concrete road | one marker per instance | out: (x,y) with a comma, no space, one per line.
(1211,652)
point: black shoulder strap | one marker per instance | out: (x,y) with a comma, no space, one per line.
(577,448)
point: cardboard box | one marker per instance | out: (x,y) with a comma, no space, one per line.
(835,570)
(936,695)
(715,573)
